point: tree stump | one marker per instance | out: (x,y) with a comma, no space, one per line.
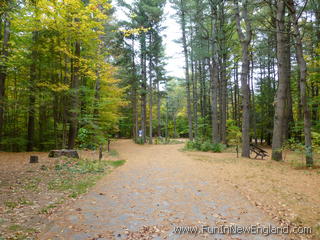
(34,159)
(63,152)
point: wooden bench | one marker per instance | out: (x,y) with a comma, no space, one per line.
(258,151)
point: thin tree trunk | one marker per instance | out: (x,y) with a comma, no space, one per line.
(150,93)
(143,87)
(254,116)
(303,88)
(32,98)
(214,101)
(3,68)
(158,108)
(185,51)
(75,84)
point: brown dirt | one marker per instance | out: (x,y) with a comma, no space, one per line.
(285,190)
(160,188)
(25,200)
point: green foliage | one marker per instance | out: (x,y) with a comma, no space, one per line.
(42,64)
(82,166)
(204,146)
(233,133)
(162,140)
(90,138)
(117,163)
(69,171)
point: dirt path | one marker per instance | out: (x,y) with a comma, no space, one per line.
(158,188)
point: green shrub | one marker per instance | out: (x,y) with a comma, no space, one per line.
(218,147)
(205,146)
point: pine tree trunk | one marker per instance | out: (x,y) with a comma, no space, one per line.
(281,95)
(185,51)
(158,109)
(303,88)
(134,96)
(245,42)
(254,116)
(143,87)
(150,93)
(214,102)
(5,36)
(224,96)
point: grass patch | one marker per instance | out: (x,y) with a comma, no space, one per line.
(15,227)
(21,201)
(47,209)
(77,176)
(74,186)
(32,184)
(117,163)
(24,201)
(11,204)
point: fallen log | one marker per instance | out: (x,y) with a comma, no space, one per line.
(63,152)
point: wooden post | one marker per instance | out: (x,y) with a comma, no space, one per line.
(237,150)
(100,153)
(109,145)
(34,159)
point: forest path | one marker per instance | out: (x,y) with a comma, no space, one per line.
(158,188)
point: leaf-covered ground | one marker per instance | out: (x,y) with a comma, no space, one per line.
(160,188)
(31,193)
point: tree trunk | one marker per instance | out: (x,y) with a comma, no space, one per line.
(303,88)
(185,51)
(32,98)
(254,116)
(150,93)
(281,95)
(245,42)
(214,102)
(143,87)
(134,96)
(3,68)
(158,109)
(75,83)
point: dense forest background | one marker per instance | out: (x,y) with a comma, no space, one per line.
(73,75)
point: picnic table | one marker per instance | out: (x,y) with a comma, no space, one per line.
(258,151)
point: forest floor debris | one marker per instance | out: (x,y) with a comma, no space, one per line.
(31,193)
(288,191)
(158,189)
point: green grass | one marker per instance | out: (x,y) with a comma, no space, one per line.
(14,204)
(15,227)
(32,184)
(77,176)
(46,209)
(117,163)
(11,204)
(74,186)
